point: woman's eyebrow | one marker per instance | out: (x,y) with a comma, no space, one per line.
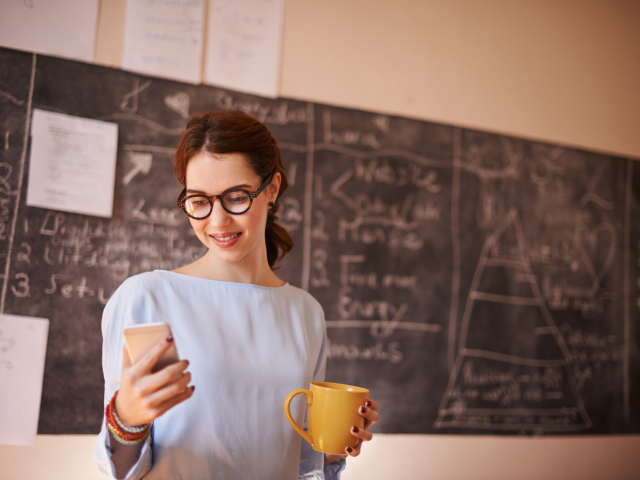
(244,185)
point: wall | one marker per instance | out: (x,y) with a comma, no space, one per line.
(395,457)
(560,71)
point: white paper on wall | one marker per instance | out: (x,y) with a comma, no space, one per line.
(244,45)
(62,28)
(164,38)
(73,164)
(23,346)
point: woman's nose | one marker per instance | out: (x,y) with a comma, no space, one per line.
(219,216)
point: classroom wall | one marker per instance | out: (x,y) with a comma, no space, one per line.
(390,457)
(564,71)
(560,71)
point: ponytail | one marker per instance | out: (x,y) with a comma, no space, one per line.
(278,240)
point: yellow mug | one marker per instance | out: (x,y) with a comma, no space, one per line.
(333,410)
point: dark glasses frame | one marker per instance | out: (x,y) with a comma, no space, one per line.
(211,198)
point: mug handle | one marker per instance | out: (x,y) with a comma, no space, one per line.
(287,411)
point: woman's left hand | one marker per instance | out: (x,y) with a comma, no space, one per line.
(370,413)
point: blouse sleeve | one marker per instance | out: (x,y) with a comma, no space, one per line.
(312,465)
(118,313)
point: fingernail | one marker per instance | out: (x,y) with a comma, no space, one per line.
(368,403)
(363,409)
(187,362)
(349,449)
(170,338)
(193,388)
(355,429)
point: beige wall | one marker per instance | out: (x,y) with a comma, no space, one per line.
(388,457)
(564,71)
(561,71)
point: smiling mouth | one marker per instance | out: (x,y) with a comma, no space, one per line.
(225,238)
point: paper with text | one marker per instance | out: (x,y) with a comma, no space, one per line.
(164,38)
(23,347)
(73,164)
(63,28)
(244,45)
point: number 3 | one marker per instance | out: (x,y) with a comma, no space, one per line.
(23,286)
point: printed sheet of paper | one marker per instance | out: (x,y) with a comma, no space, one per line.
(73,164)
(244,45)
(62,28)
(23,346)
(164,38)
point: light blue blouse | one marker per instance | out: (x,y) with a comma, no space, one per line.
(248,346)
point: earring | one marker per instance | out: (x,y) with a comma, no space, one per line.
(271,204)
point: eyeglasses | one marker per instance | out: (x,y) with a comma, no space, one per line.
(235,201)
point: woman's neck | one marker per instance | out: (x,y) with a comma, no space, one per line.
(247,270)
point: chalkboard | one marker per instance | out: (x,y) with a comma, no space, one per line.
(476,283)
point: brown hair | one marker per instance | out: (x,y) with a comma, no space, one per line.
(224,132)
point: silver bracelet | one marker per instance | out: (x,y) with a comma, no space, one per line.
(128,429)
(123,441)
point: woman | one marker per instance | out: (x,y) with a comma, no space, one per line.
(250,338)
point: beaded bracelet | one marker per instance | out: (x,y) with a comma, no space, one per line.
(113,427)
(124,441)
(123,434)
(139,429)
(123,431)
(119,434)
(126,438)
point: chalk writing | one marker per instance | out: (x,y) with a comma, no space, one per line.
(141,164)
(320,278)
(535,388)
(493,279)
(347,137)
(179,103)
(114,249)
(280,114)
(129,102)
(390,353)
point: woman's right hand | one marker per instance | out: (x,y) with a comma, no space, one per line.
(143,395)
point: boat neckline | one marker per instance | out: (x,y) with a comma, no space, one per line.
(242,284)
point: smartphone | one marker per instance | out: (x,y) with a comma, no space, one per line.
(143,337)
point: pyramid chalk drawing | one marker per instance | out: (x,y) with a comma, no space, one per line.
(522,379)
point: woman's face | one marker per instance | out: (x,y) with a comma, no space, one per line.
(232,238)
